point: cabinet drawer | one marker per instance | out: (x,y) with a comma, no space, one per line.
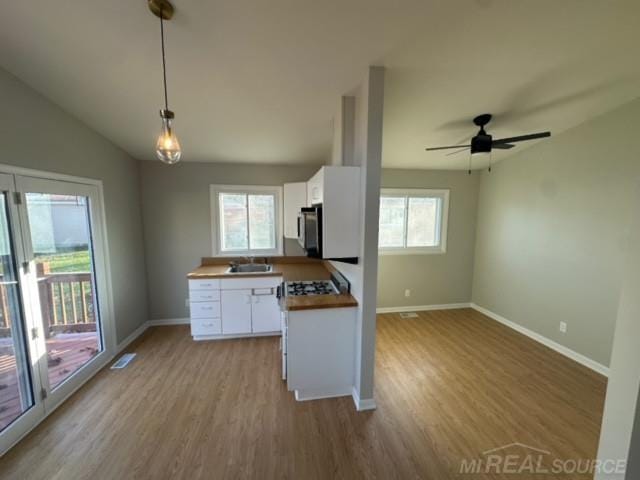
(205,284)
(205,310)
(204,295)
(206,326)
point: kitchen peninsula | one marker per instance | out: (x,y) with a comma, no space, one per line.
(304,300)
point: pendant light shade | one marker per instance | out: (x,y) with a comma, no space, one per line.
(167,147)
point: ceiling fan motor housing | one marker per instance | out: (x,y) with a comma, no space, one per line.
(481,143)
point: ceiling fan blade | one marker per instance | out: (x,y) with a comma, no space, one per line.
(521,138)
(457,151)
(503,146)
(446,148)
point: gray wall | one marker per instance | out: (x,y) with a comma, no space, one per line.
(439,278)
(177,222)
(551,223)
(37,134)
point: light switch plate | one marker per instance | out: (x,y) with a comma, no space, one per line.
(563,327)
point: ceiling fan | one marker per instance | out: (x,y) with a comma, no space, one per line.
(483,143)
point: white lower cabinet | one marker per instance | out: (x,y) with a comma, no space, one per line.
(234,306)
(205,326)
(265,311)
(236,311)
(204,302)
(205,310)
(318,352)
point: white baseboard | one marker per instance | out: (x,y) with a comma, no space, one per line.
(362,404)
(143,328)
(135,334)
(320,393)
(201,338)
(567,352)
(423,308)
(168,321)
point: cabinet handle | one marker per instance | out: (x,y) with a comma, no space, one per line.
(265,292)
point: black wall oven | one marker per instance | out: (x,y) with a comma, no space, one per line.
(310,230)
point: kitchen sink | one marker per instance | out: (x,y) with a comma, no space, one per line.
(250,268)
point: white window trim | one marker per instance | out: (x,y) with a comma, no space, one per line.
(444,215)
(216,240)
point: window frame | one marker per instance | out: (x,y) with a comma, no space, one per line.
(216,227)
(442,222)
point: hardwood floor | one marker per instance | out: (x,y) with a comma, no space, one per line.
(449,386)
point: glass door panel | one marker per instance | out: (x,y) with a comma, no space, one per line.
(16,388)
(62,249)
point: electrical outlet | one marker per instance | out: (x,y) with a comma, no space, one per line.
(563,327)
(407,293)
(187,303)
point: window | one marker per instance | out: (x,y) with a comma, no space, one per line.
(413,221)
(246,220)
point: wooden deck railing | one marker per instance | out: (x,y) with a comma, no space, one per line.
(5,320)
(66,301)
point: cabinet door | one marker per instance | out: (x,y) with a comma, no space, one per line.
(315,188)
(236,311)
(265,311)
(295,197)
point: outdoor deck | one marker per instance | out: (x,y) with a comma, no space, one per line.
(67,353)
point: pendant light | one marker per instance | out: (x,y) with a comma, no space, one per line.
(167,147)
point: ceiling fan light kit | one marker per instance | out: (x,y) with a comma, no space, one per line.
(483,143)
(167,146)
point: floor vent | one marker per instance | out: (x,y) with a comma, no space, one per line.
(409,315)
(123,361)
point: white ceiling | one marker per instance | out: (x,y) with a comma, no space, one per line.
(258,81)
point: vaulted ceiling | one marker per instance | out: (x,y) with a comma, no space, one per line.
(255,81)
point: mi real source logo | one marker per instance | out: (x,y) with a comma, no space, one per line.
(518,458)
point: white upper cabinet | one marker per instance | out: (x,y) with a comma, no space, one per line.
(295,197)
(337,188)
(315,187)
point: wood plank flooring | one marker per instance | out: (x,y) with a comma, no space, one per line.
(449,386)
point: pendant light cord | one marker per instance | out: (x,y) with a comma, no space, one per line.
(164,65)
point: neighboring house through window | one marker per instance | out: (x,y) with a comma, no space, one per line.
(246,220)
(413,221)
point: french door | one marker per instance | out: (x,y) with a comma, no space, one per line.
(54,332)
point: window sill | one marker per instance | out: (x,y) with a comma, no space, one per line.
(411,251)
(256,254)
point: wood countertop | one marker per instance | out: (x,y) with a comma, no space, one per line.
(291,269)
(315,302)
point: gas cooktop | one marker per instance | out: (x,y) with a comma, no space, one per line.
(310,287)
